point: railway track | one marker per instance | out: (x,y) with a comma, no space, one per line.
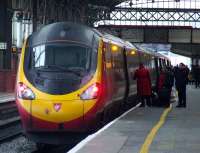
(10,125)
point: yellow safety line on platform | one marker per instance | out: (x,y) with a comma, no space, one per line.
(152,134)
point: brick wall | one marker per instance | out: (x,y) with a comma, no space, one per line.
(7,80)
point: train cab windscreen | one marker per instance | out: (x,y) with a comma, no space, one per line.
(59,57)
(60,68)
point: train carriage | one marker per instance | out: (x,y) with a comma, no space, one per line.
(72,77)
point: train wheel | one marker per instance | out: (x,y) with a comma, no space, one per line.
(98,122)
(106,116)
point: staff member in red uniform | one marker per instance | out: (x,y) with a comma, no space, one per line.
(143,84)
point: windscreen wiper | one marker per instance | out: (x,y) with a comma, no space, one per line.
(65,69)
(59,68)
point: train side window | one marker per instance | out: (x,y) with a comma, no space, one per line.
(164,64)
(153,62)
(168,63)
(94,54)
(156,62)
(160,63)
(146,60)
(107,54)
(133,61)
(117,63)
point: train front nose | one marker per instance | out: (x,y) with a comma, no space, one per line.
(56,115)
(51,115)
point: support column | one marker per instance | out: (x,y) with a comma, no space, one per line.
(34,14)
(6,31)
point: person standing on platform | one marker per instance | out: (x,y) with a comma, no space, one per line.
(198,75)
(165,84)
(181,80)
(188,72)
(196,72)
(143,84)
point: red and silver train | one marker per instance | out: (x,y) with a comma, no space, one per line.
(72,77)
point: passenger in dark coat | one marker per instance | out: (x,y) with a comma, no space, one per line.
(181,81)
(143,84)
(198,75)
(165,83)
(196,72)
(168,84)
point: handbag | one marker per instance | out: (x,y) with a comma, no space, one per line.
(155,99)
(174,96)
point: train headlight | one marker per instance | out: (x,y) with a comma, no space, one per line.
(92,92)
(24,92)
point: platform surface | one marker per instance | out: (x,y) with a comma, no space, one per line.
(5,97)
(180,132)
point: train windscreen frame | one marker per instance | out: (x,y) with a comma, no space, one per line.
(61,57)
(52,75)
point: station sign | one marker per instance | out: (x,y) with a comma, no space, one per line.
(3,45)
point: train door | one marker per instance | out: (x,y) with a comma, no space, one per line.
(108,78)
(132,64)
(127,77)
(157,69)
(153,70)
(160,63)
(118,72)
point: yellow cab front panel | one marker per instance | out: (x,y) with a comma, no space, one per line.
(66,112)
(49,112)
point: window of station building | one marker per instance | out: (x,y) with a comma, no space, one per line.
(3,62)
(1,59)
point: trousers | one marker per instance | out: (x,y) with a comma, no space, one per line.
(182,95)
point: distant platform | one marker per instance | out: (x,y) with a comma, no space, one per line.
(169,130)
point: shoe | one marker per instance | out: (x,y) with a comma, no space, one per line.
(178,106)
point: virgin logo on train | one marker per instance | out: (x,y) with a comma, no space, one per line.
(57,107)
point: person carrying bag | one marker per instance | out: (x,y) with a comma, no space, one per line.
(166,81)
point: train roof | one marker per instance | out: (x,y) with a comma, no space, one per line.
(117,40)
(64,31)
(73,32)
(68,31)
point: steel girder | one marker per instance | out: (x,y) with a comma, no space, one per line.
(150,14)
